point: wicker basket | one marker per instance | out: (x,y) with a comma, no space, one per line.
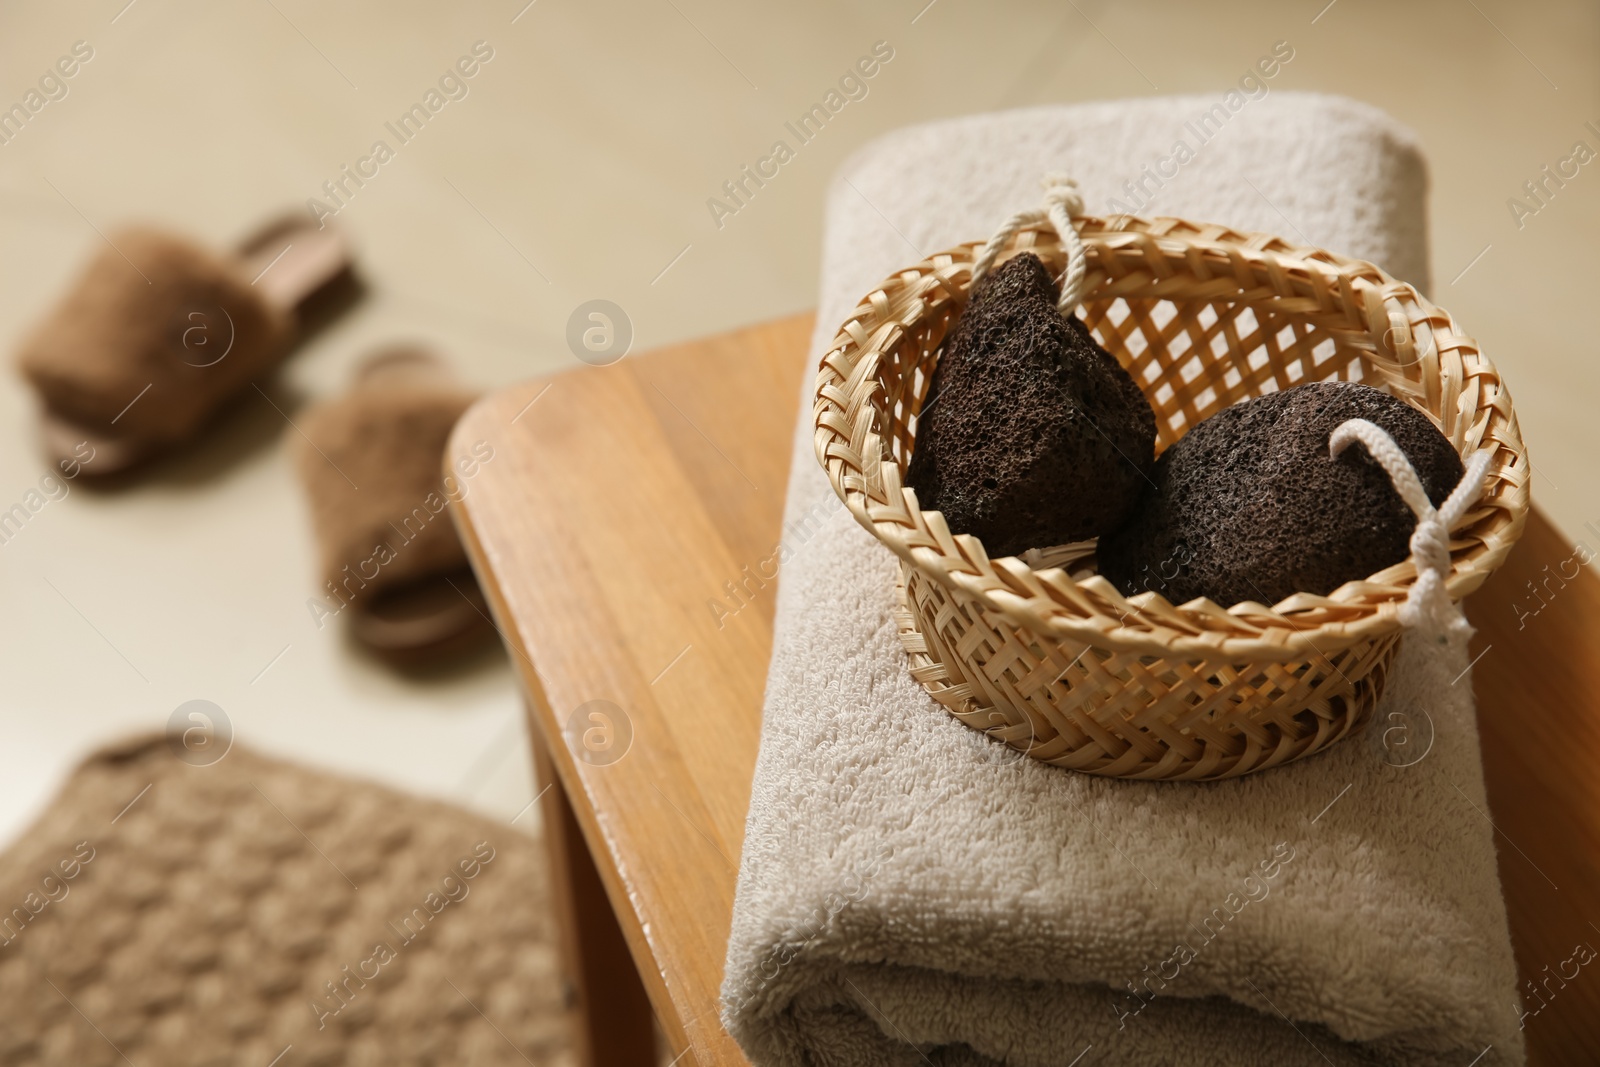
(1046,655)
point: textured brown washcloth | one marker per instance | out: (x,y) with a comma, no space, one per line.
(371,461)
(159,312)
(167,913)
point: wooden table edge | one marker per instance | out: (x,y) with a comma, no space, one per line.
(554,765)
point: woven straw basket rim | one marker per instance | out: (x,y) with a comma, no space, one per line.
(1403,343)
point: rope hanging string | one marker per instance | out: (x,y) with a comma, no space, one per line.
(1428,601)
(1062,203)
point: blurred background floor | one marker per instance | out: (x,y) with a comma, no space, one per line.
(578,166)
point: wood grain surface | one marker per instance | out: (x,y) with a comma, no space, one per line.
(619,502)
(622,501)
(1537,681)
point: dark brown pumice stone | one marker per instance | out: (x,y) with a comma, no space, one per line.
(1249,504)
(1033,435)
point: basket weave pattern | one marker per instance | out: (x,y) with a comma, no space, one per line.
(1049,657)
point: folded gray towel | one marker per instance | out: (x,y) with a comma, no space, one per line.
(912,891)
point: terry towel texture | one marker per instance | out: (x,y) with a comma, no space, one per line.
(914,892)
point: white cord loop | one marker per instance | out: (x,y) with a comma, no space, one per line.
(1428,601)
(1062,203)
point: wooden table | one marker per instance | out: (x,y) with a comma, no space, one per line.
(619,506)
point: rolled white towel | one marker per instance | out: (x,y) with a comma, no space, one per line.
(912,891)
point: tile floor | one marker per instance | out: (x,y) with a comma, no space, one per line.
(577,166)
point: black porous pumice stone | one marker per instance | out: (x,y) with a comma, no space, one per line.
(1033,435)
(1249,504)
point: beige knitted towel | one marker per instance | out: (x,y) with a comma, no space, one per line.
(912,892)
(195,905)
